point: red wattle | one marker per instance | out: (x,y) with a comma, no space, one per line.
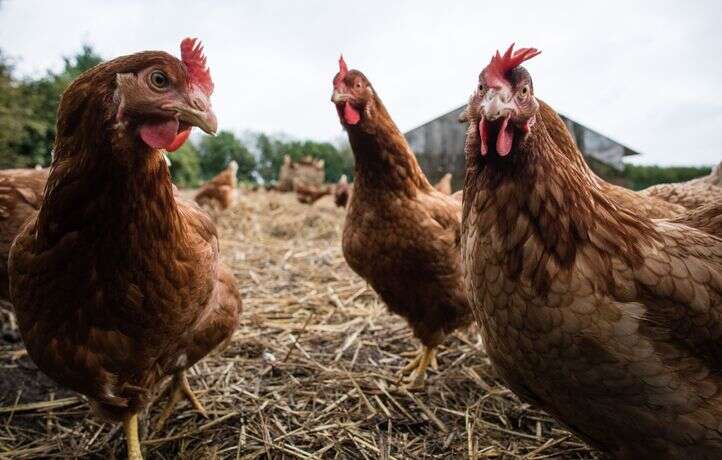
(350,114)
(159,135)
(484,135)
(179,140)
(505,138)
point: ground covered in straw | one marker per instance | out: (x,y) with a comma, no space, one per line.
(311,372)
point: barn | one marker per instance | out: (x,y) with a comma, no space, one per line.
(439,146)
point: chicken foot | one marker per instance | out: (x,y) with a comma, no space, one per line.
(416,368)
(130,426)
(179,388)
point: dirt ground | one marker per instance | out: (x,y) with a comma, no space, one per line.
(311,372)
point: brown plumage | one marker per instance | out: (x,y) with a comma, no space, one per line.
(400,234)
(21,192)
(221,191)
(608,320)
(693,193)
(116,282)
(309,194)
(649,206)
(444,185)
(342,192)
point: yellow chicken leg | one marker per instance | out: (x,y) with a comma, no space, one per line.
(179,387)
(130,426)
(417,367)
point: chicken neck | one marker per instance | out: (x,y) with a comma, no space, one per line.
(384,160)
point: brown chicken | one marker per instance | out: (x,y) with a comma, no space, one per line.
(343,192)
(21,192)
(116,283)
(220,192)
(693,193)
(309,194)
(400,234)
(444,185)
(607,319)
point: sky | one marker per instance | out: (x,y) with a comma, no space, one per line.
(646,74)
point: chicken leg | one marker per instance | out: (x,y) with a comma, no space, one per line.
(179,387)
(130,426)
(416,368)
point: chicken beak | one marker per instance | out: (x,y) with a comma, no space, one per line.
(338,97)
(197,112)
(498,106)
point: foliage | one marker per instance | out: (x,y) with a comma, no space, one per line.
(217,151)
(271,150)
(640,177)
(185,166)
(28,109)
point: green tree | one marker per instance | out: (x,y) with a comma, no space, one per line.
(271,150)
(13,116)
(185,165)
(640,177)
(217,151)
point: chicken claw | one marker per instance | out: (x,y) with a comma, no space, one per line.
(179,387)
(417,367)
(130,426)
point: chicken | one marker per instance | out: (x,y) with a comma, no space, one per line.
(400,234)
(309,194)
(607,319)
(343,192)
(693,193)
(21,192)
(116,282)
(444,185)
(220,192)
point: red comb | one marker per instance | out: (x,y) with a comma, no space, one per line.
(342,71)
(499,66)
(194,60)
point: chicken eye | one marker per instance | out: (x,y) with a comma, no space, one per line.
(159,79)
(481,87)
(524,92)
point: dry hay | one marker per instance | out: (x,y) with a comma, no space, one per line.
(311,372)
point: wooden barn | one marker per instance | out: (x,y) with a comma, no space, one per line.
(439,146)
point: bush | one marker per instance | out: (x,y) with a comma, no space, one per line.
(217,151)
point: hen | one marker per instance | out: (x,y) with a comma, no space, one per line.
(444,185)
(21,192)
(693,193)
(309,194)
(220,192)
(116,283)
(343,192)
(400,234)
(607,319)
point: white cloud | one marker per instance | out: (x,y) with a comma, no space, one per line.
(644,73)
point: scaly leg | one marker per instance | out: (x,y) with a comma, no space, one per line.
(130,426)
(179,387)
(417,367)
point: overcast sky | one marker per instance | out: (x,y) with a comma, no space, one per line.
(647,74)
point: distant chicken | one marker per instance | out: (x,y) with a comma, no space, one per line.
(444,185)
(342,193)
(400,235)
(309,194)
(221,192)
(693,193)
(116,282)
(21,192)
(607,319)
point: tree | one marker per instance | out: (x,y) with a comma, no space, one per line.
(217,151)
(272,150)
(28,109)
(185,166)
